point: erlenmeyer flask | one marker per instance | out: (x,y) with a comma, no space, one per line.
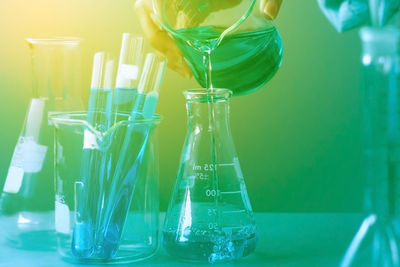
(27,200)
(381,158)
(227,44)
(209,217)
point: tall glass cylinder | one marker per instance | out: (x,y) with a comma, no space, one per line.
(27,200)
(381,154)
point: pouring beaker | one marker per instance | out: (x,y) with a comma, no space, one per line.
(227,44)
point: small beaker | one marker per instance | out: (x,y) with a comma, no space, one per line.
(119,201)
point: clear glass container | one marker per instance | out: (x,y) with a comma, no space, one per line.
(375,243)
(27,199)
(227,44)
(111,216)
(209,217)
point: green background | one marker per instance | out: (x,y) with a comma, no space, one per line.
(298,138)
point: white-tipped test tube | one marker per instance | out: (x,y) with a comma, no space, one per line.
(90,186)
(121,192)
(129,68)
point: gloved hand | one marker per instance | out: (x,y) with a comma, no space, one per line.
(164,43)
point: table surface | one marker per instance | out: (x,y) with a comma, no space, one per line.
(285,239)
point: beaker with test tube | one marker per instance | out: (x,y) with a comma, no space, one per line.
(107,162)
(27,200)
(227,44)
(209,217)
(139,237)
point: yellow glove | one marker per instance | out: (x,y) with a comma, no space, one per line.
(270,8)
(164,43)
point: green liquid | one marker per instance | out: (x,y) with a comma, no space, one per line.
(241,62)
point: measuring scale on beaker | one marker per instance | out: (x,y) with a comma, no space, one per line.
(209,217)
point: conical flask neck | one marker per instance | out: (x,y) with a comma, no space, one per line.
(209,139)
(56,73)
(208,109)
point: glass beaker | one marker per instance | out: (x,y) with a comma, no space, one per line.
(125,227)
(27,200)
(381,155)
(209,217)
(227,44)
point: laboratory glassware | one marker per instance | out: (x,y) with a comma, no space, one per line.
(348,14)
(93,165)
(345,14)
(209,217)
(139,238)
(129,70)
(381,153)
(227,44)
(27,200)
(111,223)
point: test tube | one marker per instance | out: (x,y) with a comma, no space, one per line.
(100,97)
(128,73)
(150,83)
(123,184)
(90,185)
